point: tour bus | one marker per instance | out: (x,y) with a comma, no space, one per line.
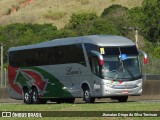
(88,67)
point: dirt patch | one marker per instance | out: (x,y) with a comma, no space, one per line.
(4,93)
(9,100)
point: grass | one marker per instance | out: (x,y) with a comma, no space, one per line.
(54,15)
(128,106)
(38,9)
(114,106)
(7,4)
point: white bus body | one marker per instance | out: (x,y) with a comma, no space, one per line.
(95,66)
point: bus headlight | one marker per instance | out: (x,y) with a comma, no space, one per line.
(103,83)
(109,85)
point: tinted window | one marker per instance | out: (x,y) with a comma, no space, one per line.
(132,50)
(111,51)
(90,47)
(47,56)
(93,59)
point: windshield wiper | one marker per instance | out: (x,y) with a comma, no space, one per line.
(130,73)
(116,76)
(120,69)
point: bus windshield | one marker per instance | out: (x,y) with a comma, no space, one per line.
(121,63)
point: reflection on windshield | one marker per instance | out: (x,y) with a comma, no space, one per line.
(115,68)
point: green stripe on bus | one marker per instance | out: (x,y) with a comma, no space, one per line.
(54,87)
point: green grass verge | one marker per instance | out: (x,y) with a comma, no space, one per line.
(128,106)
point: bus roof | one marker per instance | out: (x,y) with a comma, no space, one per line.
(100,40)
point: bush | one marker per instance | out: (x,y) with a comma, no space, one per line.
(78,19)
(22,34)
(64,33)
(156,52)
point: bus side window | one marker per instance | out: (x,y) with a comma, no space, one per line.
(94,63)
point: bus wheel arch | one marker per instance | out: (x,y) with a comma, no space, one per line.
(26,95)
(87,93)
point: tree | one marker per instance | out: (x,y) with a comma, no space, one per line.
(137,17)
(151,9)
(98,26)
(114,10)
(89,24)
(117,15)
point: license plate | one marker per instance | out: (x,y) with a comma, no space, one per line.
(124,92)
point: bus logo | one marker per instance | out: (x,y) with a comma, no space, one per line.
(70,71)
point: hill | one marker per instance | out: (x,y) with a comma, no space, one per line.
(57,12)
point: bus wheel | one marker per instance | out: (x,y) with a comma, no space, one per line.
(87,95)
(123,99)
(35,97)
(26,96)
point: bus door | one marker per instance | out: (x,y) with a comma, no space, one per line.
(96,63)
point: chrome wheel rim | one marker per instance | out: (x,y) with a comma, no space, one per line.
(35,96)
(87,94)
(26,96)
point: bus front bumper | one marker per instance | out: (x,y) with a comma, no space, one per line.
(107,91)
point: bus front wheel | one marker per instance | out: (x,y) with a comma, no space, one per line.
(87,95)
(123,99)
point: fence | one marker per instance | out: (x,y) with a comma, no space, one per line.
(153,66)
(3,68)
(4,79)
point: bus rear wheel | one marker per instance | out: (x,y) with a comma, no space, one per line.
(87,95)
(35,97)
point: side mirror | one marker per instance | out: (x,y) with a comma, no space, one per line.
(145,58)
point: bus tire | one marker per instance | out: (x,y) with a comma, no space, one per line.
(27,96)
(122,99)
(87,95)
(35,97)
